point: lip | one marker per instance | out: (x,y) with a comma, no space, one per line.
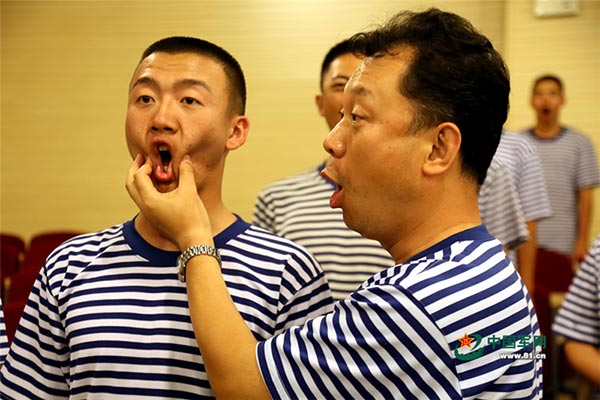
(335,201)
(325,174)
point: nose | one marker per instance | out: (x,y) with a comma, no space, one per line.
(333,143)
(164,119)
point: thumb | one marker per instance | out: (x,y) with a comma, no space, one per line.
(186,174)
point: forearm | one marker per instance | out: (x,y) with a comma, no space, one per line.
(226,343)
(526,257)
(585,359)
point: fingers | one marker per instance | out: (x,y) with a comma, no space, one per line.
(186,175)
(138,178)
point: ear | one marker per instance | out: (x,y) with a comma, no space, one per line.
(239,132)
(445,149)
(319,103)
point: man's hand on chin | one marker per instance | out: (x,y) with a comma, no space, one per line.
(178,214)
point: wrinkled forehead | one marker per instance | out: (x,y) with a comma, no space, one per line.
(390,67)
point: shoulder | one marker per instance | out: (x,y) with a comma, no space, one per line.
(88,244)
(304,179)
(516,142)
(577,137)
(260,244)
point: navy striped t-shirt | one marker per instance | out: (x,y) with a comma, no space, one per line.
(453,322)
(570,164)
(579,315)
(108,318)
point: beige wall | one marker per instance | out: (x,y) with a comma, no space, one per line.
(65,68)
(566,46)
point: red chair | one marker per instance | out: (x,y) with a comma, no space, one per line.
(553,275)
(12,248)
(19,284)
(42,244)
(12,316)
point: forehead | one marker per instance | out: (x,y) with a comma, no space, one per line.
(546,85)
(167,68)
(344,64)
(379,74)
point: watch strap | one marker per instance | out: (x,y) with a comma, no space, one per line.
(193,251)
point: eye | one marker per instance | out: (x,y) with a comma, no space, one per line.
(338,87)
(190,101)
(144,99)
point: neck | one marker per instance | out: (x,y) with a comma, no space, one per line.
(220,218)
(547,129)
(438,224)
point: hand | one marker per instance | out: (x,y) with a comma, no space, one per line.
(179,215)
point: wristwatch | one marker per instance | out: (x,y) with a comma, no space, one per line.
(196,250)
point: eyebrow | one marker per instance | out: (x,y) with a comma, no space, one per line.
(340,76)
(360,91)
(182,83)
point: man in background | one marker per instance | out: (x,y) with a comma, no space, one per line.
(577,319)
(524,165)
(570,170)
(297,208)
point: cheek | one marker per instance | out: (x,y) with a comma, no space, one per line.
(131,138)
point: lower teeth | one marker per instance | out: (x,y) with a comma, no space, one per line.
(165,168)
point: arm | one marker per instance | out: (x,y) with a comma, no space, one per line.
(226,343)
(585,358)
(584,217)
(526,256)
(38,358)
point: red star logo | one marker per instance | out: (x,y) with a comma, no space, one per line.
(465,341)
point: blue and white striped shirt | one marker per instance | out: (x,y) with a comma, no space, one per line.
(108,317)
(445,324)
(3,337)
(579,315)
(569,163)
(500,208)
(520,156)
(297,208)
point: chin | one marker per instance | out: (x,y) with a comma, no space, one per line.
(164,187)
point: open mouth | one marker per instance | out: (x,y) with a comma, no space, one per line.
(165,157)
(163,169)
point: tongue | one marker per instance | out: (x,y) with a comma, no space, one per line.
(164,173)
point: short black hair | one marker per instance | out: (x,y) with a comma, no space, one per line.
(455,76)
(343,47)
(233,70)
(548,77)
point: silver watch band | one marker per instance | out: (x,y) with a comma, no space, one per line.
(193,251)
